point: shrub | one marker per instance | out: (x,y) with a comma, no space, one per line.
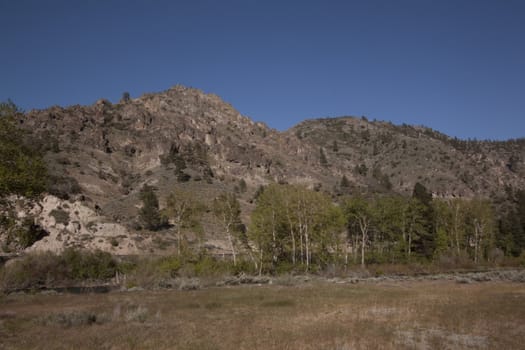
(83,265)
(28,233)
(62,186)
(61,216)
(69,319)
(47,269)
(183,177)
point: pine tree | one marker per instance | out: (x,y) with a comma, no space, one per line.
(149,213)
(425,245)
(344,182)
(335,146)
(22,169)
(322,158)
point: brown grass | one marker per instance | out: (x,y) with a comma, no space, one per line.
(413,315)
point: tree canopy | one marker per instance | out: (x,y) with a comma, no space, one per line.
(22,169)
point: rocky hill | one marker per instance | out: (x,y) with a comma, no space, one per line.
(100,157)
(382,156)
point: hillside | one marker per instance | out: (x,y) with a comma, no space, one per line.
(383,156)
(100,157)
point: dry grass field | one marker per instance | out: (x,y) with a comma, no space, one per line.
(401,315)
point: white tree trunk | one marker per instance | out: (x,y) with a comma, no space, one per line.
(230,239)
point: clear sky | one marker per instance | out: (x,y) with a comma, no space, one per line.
(457,66)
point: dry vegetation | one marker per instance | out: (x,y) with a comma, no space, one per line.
(419,315)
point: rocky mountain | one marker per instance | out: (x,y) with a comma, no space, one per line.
(382,156)
(101,156)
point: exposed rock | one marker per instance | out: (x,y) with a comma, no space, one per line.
(72,224)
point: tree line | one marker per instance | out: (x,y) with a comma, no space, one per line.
(294,225)
(295,228)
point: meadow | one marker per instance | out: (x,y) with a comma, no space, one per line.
(313,315)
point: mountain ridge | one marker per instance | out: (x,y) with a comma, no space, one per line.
(101,156)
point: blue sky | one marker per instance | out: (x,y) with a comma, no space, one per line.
(457,66)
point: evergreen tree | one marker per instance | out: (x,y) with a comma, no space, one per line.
(519,233)
(335,146)
(425,245)
(322,158)
(344,182)
(149,213)
(125,97)
(22,169)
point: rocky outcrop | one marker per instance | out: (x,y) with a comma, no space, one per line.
(71,224)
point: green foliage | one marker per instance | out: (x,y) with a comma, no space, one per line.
(149,213)
(519,231)
(61,216)
(441,242)
(84,265)
(154,272)
(226,207)
(227,210)
(170,265)
(360,215)
(242,186)
(27,233)
(125,97)
(383,179)
(466,228)
(293,225)
(62,186)
(335,146)
(19,234)
(22,170)
(183,177)
(322,158)
(422,194)
(344,182)
(384,229)
(425,244)
(184,210)
(37,270)
(209,266)
(480,223)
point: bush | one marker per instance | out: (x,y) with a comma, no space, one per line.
(69,319)
(147,272)
(47,269)
(61,216)
(183,177)
(27,233)
(20,234)
(84,265)
(62,186)
(450,260)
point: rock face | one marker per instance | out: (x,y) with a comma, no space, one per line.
(100,156)
(70,224)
